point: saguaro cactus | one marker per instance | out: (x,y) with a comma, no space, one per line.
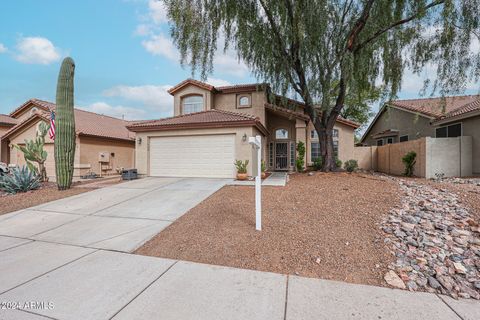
(65,125)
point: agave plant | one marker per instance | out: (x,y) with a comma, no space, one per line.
(20,180)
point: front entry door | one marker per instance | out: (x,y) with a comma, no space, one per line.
(281,155)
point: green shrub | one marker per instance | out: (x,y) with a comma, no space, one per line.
(300,157)
(409,161)
(317,164)
(263,166)
(20,180)
(338,162)
(241,166)
(350,165)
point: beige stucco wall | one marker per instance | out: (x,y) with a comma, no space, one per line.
(366,157)
(243,150)
(3,146)
(449,156)
(188,91)
(390,157)
(90,149)
(230,102)
(408,123)
(471,127)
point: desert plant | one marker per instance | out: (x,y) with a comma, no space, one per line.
(300,162)
(20,180)
(65,125)
(350,165)
(409,161)
(338,163)
(317,164)
(263,166)
(241,166)
(33,151)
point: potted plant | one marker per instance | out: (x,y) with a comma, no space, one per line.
(264,168)
(241,169)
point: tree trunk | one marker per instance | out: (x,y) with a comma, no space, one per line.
(325,139)
(43,172)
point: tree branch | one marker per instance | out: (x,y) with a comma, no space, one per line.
(396,24)
(359,25)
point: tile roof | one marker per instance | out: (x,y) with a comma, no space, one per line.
(7,120)
(472,106)
(204,119)
(209,87)
(437,107)
(89,123)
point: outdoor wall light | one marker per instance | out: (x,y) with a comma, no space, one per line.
(139,140)
(244,138)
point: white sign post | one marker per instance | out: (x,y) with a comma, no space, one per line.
(256,142)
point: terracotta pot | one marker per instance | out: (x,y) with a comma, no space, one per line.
(264,175)
(242,176)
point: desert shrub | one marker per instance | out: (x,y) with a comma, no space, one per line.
(350,165)
(241,166)
(317,164)
(409,161)
(300,157)
(20,180)
(338,162)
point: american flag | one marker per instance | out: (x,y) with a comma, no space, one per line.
(51,131)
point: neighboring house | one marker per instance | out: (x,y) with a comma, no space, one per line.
(405,120)
(6,123)
(211,126)
(103,144)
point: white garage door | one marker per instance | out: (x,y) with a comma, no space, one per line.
(193,156)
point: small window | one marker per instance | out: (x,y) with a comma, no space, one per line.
(281,134)
(314,151)
(33,111)
(314,134)
(404,138)
(192,104)
(244,101)
(451,131)
(389,140)
(270,155)
(380,142)
(335,133)
(292,154)
(335,148)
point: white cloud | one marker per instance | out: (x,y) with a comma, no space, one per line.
(159,45)
(157,11)
(142,30)
(228,63)
(154,97)
(36,50)
(218,82)
(120,112)
(2,48)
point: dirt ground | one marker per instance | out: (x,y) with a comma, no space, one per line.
(323,226)
(48,192)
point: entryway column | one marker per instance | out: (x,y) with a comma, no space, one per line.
(301,136)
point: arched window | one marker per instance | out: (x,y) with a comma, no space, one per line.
(192,104)
(244,101)
(33,111)
(281,134)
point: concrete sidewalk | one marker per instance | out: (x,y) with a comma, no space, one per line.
(72,282)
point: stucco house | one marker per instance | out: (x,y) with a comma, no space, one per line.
(103,143)
(449,117)
(211,126)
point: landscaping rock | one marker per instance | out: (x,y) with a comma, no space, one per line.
(435,241)
(394,280)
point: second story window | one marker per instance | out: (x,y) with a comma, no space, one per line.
(244,101)
(281,134)
(192,104)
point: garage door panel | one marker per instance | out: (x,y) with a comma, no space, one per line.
(193,156)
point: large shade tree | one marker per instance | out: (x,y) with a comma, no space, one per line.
(330,52)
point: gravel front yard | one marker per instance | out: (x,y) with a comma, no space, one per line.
(325,226)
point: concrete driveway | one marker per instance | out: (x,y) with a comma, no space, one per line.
(120,217)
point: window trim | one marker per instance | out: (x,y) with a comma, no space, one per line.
(312,158)
(335,135)
(400,138)
(390,139)
(182,103)
(450,125)
(382,142)
(335,153)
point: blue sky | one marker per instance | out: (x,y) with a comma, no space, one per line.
(125,61)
